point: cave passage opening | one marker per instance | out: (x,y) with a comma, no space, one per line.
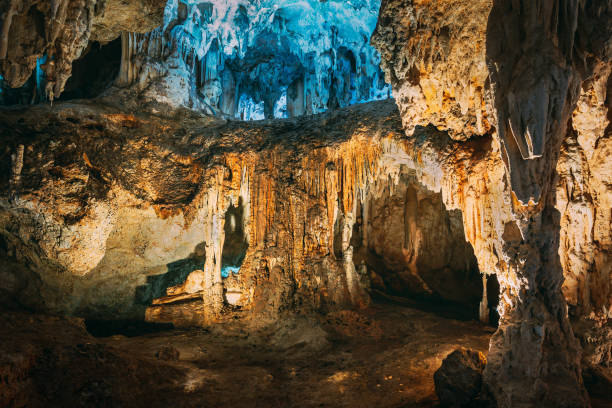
(415,250)
(234,251)
(94,72)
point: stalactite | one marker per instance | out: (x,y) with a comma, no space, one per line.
(123,79)
(6,26)
(128,69)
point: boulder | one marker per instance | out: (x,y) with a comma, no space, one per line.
(459,379)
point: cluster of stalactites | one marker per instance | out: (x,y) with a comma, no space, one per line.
(60,45)
(339,182)
(134,47)
(236,81)
(227,186)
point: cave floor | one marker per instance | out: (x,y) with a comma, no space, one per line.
(384,356)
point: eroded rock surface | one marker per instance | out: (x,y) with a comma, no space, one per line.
(127,205)
(584,199)
(507,109)
(252,59)
(459,378)
(60,31)
(514,70)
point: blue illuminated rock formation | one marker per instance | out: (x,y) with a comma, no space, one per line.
(255,59)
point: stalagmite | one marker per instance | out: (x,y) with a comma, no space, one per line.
(17,166)
(485,182)
(483,308)
(352,279)
(508,216)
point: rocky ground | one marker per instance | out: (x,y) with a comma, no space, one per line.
(384,356)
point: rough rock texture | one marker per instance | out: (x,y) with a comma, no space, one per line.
(433,257)
(433,55)
(507,107)
(103,213)
(584,199)
(459,378)
(53,361)
(514,69)
(60,30)
(135,16)
(256,59)
(455,65)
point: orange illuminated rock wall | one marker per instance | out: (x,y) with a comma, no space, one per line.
(104,215)
(534,75)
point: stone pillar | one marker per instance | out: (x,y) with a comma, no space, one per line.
(295,98)
(17,166)
(365,220)
(534,355)
(483,310)
(213,282)
(358,297)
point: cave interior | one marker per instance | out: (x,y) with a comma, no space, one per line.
(313,203)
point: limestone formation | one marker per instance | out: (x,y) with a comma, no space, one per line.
(496,164)
(459,379)
(308,206)
(514,70)
(256,59)
(59,31)
(583,199)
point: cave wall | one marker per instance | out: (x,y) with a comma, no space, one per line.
(258,59)
(583,199)
(124,206)
(413,245)
(244,59)
(515,70)
(506,108)
(60,31)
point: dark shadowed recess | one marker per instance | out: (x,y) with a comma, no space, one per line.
(94,72)
(235,245)
(416,253)
(155,287)
(128,328)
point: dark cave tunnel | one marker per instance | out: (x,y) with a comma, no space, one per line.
(94,72)
(235,244)
(416,251)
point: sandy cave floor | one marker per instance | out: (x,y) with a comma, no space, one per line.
(384,356)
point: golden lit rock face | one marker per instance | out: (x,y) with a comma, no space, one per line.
(508,68)
(126,208)
(123,197)
(506,107)
(130,16)
(584,199)
(534,207)
(433,55)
